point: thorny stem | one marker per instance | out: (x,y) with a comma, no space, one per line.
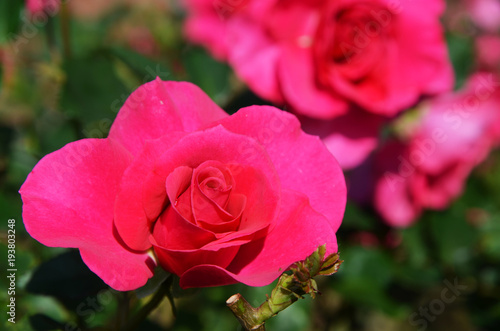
(290,287)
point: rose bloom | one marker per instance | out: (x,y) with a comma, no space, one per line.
(213,198)
(488,51)
(428,168)
(40,6)
(320,56)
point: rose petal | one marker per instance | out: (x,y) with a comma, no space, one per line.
(255,50)
(392,197)
(155,109)
(298,232)
(177,262)
(438,190)
(68,202)
(173,231)
(302,91)
(132,216)
(178,186)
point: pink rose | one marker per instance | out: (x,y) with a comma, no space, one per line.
(320,56)
(429,168)
(488,52)
(213,198)
(39,6)
(485,14)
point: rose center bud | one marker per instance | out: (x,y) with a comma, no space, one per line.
(215,184)
(204,196)
(349,41)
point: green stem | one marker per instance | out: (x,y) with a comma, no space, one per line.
(286,292)
(65,29)
(123,309)
(163,291)
(247,315)
(291,287)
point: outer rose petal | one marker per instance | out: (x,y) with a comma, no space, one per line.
(255,50)
(393,201)
(298,82)
(68,202)
(158,108)
(322,181)
(260,262)
(350,137)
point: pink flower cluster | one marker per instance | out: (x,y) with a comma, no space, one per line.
(427,167)
(353,68)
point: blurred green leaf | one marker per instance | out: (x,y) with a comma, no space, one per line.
(453,236)
(152,285)
(356,218)
(210,75)
(10,18)
(461,50)
(144,68)
(93,90)
(364,278)
(66,278)
(366,263)
(416,251)
(41,322)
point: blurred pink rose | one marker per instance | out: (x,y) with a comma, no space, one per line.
(488,52)
(320,56)
(219,199)
(47,6)
(485,14)
(350,137)
(429,168)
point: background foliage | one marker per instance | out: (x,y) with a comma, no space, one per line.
(66,77)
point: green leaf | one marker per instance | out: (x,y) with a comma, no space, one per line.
(414,248)
(66,278)
(144,68)
(453,236)
(210,75)
(356,218)
(93,92)
(41,322)
(152,285)
(10,19)
(461,51)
